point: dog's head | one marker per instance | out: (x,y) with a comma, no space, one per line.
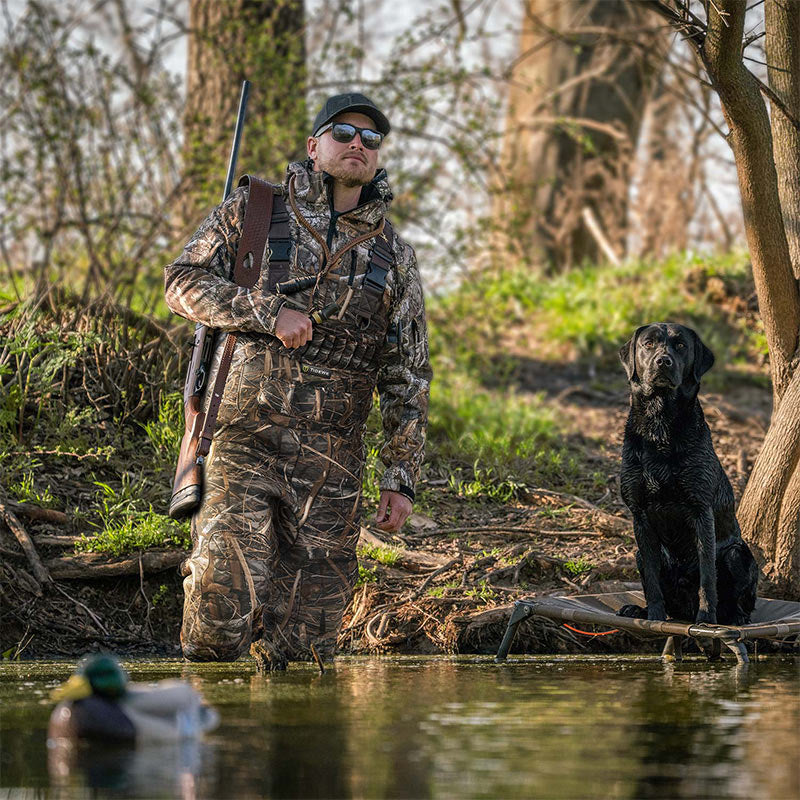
(664,357)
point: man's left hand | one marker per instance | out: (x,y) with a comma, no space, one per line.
(393,511)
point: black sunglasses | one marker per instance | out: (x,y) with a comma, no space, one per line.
(344,132)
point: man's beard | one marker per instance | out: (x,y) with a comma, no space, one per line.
(348,174)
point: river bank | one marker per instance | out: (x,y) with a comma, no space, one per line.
(518,496)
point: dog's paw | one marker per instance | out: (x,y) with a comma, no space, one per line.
(706,618)
(656,613)
(633,611)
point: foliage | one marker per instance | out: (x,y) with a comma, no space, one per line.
(87,156)
(589,312)
(136,531)
(366,575)
(372,466)
(483,592)
(25,492)
(90,420)
(388,556)
(124,525)
(578,566)
(166,431)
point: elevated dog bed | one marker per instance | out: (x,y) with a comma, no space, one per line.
(771,619)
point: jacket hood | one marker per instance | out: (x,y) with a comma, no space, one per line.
(313,189)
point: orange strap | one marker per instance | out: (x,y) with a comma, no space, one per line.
(590,633)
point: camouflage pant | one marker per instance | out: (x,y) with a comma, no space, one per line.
(275,537)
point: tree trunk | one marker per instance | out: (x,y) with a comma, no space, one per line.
(576,103)
(782,21)
(763,514)
(768,172)
(228,42)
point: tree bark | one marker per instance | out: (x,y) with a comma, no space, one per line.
(576,103)
(782,23)
(228,42)
(90,566)
(768,172)
(787,546)
(751,140)
(761,514)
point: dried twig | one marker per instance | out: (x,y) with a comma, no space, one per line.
(503,529)
(581,502)
(39,513)
(84,607)
(424,585)
(39,570)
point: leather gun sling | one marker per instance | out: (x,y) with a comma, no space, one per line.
(258,221)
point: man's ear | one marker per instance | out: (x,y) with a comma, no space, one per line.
(703,359)
(627,355)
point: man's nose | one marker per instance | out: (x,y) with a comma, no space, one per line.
(663,360)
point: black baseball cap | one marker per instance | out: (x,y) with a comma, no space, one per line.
(352,101)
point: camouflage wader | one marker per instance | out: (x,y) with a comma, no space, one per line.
(275,538)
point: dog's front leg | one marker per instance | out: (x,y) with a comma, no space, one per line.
(706,555)
(649,563)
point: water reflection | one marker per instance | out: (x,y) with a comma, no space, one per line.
(92,769)
(448,728)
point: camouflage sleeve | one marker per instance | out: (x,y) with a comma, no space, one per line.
(404,382)
(198,283)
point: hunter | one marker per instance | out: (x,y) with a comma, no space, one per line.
(273,565)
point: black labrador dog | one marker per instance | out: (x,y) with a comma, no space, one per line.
(692,559)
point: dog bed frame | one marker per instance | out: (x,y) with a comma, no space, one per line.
(771,619)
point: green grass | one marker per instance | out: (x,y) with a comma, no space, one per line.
(595,309)
(483,592)
(123,525)
(164,433)
(388,556)
(578,566)
(366,575)
(25,491)
(137,531)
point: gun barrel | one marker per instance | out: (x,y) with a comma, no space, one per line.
(237,138)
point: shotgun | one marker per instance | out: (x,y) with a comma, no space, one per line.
(187,488)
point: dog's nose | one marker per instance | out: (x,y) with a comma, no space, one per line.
(664,361)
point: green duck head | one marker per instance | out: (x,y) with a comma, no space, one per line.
(105,675)
(98,674)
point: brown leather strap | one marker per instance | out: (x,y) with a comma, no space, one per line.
(210,422)
(254,233)
(246,271)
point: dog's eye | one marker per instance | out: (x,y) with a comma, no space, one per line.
(680,346)
(648,343)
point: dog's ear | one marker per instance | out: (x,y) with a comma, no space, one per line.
(703,359)
(627,355)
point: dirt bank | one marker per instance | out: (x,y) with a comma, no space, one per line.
(445,584)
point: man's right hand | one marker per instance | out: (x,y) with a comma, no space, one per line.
(293,328)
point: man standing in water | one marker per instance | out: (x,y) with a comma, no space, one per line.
(274,557)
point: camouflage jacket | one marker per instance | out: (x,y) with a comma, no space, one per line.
(199,287)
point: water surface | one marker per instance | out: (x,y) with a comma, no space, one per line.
(439,727)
